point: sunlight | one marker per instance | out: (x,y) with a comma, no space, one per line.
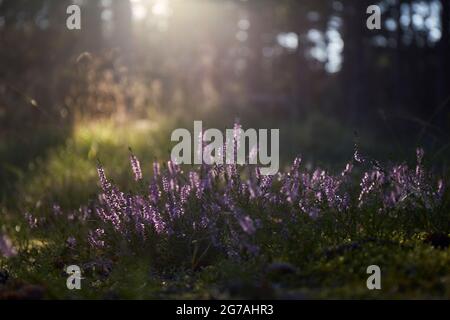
(162,8)
(138,9)
(288,40)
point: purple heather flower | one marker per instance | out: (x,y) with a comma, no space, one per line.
(165,184)
(253,154)
(247,225)
(140,229)
(110,217)
(32,221)
(194,179)
(173,168)
(135,166)
(57,210)
(84,213)
(156,170)
(104,183)
(357,156)
(95,238)
(419,154)
(440,189)
(348,169)
(184,194)
(311,211)
(296,165)
(154,192)
(266,182)
(157,220)
(174,187)
(129,208)
(7,249)
(71,242)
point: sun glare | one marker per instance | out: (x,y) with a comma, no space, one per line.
(142,8)
(138,9)
(161,8)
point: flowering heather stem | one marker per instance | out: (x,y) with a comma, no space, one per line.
(135,166)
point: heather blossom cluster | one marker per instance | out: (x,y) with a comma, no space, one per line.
(231,207)
(400,187)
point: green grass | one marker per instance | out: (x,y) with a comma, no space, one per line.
(67,173)
(409,270)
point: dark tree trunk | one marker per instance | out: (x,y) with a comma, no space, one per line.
(444,56)
(354,65)
(92,29)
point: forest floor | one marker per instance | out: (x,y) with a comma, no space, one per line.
(322,258)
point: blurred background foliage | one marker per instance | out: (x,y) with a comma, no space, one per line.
(137,69)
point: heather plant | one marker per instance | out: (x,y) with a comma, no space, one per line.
(200,228)
(192,216)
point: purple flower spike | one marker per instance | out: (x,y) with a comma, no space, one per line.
(104,183)
(135,166)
